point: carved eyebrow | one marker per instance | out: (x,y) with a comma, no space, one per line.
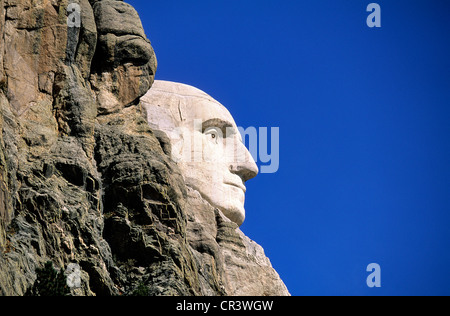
(218,123)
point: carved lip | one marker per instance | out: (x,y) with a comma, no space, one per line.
(240,186)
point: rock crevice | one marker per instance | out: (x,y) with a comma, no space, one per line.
(83,177)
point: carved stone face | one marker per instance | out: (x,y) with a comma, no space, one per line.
(206,143)
(124,63)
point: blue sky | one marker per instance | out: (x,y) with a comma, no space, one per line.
(364,118)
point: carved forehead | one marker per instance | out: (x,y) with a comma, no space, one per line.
(180,90)
(182,104)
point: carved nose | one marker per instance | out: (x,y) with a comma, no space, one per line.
(247,169)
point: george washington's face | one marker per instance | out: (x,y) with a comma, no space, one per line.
(206,143)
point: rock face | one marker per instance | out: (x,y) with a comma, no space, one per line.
(84,179)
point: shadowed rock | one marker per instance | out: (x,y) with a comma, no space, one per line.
(84,179)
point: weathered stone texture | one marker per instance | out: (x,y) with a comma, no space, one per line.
(83,178)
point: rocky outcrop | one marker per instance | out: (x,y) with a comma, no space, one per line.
(83,178)
(228,262)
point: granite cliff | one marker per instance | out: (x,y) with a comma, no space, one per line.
(84,179)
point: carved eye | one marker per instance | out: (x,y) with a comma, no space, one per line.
(213,134)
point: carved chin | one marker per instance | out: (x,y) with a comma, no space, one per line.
(235,215)
(232,209)
(230,203)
